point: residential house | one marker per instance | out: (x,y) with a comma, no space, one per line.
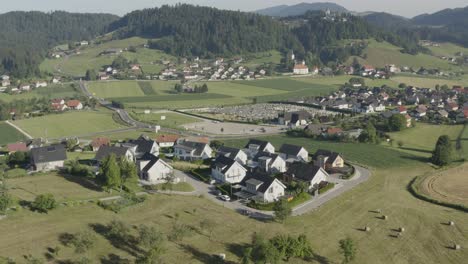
(188,150)
(262,188)
(40,84)
(293,152)
(328,159)
(58,105)
(268,162)
(154,170)
(233,153)
(48,158)
(17,147)
(311,174)
(97,143)
(120,152)
(226,170)
(35,143)
(255,146)
(204,140)
(295,119)
(166,141)
(442,113)
(142,146)
(400,110)
(74,105)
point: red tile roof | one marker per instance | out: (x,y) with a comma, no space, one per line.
(19,146)
(300,67)
(334,130)
(73,103)
(167,138)
(98,142)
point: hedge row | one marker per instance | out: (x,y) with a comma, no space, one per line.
(413,189)
(200,176)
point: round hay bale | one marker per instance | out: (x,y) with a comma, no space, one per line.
(367,229)
(401,229)
(378,211)
(456,247)
(384,217)
(222,256)
(451,223)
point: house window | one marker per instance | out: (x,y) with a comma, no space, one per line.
(270,190)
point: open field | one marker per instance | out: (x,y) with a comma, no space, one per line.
(428,82)
(52,91)
(449,186)
(64,188)
(73,123)
(9,135)
(421,140)
(381,53)
(89,58)
(258,59)
(172,120)
(448,49)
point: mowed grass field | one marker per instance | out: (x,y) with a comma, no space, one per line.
(73,123)
(8,134)
(50,92)
(425,239)
(89,58)
(428,82)
(448,50)
(421,140)
(449,186)
(173,120)
(381,53)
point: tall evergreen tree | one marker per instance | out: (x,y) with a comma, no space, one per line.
(442,154)
(109,173)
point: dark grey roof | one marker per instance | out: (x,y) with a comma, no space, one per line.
(303,171)
(228,151)
(326,153)
(105,151)
(143,144)
(260,143)
(48,154)
(257,177)
(223,162)
(290,149)
(296,116)
(152,160)
(265,154)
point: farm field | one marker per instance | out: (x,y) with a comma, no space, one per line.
(64,188)
(89,58)
(449,186)
(9,135)
(421,140)
(448,49)
(424,241)
(50,92)
(381,53)
(428,82)
(172,120)
(258,59)
(68,124)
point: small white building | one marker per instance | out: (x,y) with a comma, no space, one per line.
(154,170)
(255,146)
(236,154)
(298,153)
(40,84)
(311,174)
(262,188)
(226,170)
(269,162)
(301,69)
(192,151)
(48,158)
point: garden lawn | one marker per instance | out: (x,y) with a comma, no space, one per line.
(421,139)
(8,134)
(74,123)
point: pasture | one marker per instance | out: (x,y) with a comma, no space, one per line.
(427,82)
(421,140)
(73,123)
(50,92)
(381,53)
(8,134)
(448,50)
(172,120)
(90,58)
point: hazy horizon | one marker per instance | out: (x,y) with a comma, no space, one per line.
(407,8)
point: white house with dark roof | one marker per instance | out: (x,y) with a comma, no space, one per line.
(261,188)
(255,146)
(119,152)
(233,153)
(297,153)
(311,174)
(48,158)
(269,162)
(328,159)
(153,169)
(142,146)
(226,170)
(192,151)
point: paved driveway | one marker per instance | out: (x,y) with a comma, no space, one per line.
(342,186)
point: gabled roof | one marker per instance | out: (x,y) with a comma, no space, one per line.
(48,154)
(73,103)
(105,151)
(152,161)
(260,143)
(261,179)
(303,171)
(190,146)
(144,144)
(167,138)
(100,141)
(290,149)
(230,152)
(223,163)
(265,154)
(326,153)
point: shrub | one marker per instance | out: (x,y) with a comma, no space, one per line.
(43,203)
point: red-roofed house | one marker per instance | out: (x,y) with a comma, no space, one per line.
(452,107)
(74,104)
(167,141)
(334,131)
(368,68)
(301,69)
(17,147)
(99,142)
(400,110)
(58,105)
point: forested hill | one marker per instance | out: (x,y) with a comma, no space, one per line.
(187,30)
(193,30)
(26,36)
(300,9)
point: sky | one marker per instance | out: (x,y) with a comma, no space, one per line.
(407,8)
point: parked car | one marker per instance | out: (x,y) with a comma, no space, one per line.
(225,198)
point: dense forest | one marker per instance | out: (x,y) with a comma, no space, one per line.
(25,37)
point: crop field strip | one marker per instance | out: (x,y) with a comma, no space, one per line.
(147,88)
